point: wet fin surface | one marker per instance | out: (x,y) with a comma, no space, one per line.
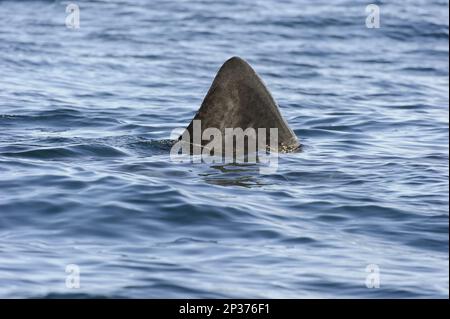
(238,98)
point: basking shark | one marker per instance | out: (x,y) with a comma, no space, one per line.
(238,98)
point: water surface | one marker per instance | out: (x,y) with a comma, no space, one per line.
(86,178)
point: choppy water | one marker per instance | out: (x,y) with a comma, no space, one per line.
(85,177)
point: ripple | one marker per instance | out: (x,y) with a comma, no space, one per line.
(55,153)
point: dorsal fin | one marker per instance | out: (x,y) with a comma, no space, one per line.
(239,99)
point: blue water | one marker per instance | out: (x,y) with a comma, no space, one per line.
(86,177)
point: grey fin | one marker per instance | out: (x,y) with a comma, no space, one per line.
(239,99)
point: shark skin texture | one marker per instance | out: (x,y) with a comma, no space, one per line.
(238,98)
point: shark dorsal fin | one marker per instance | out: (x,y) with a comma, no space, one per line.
(239,99)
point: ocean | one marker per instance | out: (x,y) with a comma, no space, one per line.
(91,204)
